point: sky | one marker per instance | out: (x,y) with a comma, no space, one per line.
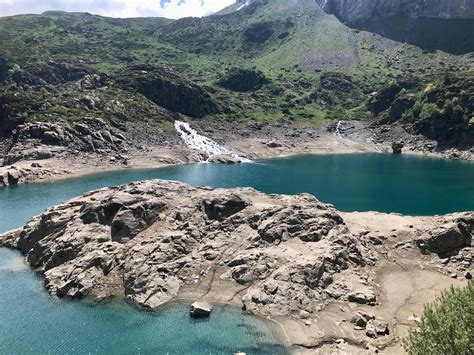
(117,8)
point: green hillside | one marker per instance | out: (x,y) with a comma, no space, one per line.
(313,68)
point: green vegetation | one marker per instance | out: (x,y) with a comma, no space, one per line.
(447,325)
(315,69)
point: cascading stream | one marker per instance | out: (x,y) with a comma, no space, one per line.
(338,129)
(200,143)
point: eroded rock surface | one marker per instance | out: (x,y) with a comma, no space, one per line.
(148,240)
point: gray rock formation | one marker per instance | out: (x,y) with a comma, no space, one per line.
(149,241)
(355,11)
(43,140)
(450,236)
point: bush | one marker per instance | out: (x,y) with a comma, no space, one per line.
(447,325)
(430,111)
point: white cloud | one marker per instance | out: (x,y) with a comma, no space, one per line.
(118,8)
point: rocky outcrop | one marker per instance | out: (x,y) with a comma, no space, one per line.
(15,175)
(43,140)
(166,88)
(355,11)
(149,241)
(49,72)
(241,80)
(439,110)
(432,25)
(450,236)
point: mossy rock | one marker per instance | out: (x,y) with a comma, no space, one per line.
(259,33)
(50,72)
(384,98)
(241,80)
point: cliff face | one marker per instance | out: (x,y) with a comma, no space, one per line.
(354,11)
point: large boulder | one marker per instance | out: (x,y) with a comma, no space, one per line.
(220,208)
(200,309)
(449,237)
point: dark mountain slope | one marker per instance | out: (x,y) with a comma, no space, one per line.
(435,24)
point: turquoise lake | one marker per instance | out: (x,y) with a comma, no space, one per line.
(33,322)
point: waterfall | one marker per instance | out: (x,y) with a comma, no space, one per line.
(198,142)
(243,5)
(338,131)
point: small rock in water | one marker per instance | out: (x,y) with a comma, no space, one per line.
(397,147)
(200,309)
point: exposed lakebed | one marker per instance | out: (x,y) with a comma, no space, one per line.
(34,322)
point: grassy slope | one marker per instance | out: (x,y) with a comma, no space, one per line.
(305,44)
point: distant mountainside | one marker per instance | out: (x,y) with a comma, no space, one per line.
(274,60)
(354,11)
(430,24)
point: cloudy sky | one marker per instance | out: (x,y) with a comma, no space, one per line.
(117,8)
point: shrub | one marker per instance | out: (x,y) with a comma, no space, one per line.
(430,111)
(429,88)
(447,325)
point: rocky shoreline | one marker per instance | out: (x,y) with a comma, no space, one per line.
(347,281)
(45,151)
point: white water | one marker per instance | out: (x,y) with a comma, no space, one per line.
(243,5)
(196,141)
(338,130)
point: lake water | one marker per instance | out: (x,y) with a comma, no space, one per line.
(352,182)
(33,322)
